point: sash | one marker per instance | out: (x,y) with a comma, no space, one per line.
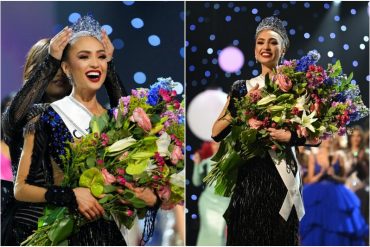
(292,183)
(75,115)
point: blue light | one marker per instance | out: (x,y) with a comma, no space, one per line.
(212,37)
(154,40)
(207,73)
(250,63)
(321,39)
(326,6)
(284,5)
(368,77)
(353,11)
(200,19)
(336,18)
(227,75)
(230,5)
(137,23)
(269,5)
(108,29)
(332,35)
(255,72)
(306,35)
(118,44)
(186,43)
(188,148)
(218,52)
(285,23)
(362,46)
(355,63)
(194,48)
(292,31)
(192,27)
(128,3)
(343,28)
(238,72)
(254,11)
(306,5)
(191,68)
(276,12)
(194,216)
(203,81)
(228,18)
(214,61)
(194,197)
(139,77)
(182,50)
(236,42)
(187,182)
(353,82)
(74,17)
(346,47)
(216,6)
(209,51)
(237,9)
(257,18)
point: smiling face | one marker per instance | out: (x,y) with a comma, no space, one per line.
(356,138)
(269,48)
(86,63)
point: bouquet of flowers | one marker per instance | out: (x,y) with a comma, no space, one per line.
(301,97)
(141,144)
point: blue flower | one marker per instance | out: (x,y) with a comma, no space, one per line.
(310,59)
(162,83)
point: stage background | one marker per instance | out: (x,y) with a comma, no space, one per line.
(336,30)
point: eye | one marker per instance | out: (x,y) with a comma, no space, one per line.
(260,42)
(103,56)
(83,57)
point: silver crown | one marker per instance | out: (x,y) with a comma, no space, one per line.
(86,26)
(275,24)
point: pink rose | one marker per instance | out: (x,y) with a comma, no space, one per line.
(176,155)
(129,212)
(254,123)
(108,178)
(139,116)
(255,95)
(121,180)
(283,82)
(120,171)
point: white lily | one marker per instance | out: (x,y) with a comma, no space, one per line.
(301,103)
(178,179)
(306,121)
(162,143)
(121,145)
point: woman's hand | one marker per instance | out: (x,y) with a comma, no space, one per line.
(59,42)
(108,46)
(145,194)
(280,135)
(87,204)
(196,158)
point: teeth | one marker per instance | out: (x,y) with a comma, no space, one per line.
(93,74)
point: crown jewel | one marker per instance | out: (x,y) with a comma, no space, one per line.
(275,24)
(86,26)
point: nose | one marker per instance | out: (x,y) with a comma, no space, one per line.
(266,46)
(94,63)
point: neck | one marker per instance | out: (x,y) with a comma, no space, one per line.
(266,69)
(88,100)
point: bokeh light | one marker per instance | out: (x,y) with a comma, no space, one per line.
(231,59)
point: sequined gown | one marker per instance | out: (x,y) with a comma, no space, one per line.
(19,219)
(253,214)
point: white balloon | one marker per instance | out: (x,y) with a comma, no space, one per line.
(178,87)
(203,111)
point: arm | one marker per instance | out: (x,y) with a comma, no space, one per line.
(311,177)
(221,128)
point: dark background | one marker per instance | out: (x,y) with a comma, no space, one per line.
(316,18)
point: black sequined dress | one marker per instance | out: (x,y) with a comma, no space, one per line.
(253,214)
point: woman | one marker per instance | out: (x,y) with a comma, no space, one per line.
(333,215)
(84,61)
(211,206)
(258,213)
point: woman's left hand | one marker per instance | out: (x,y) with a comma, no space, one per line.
(280,135)
(108,46)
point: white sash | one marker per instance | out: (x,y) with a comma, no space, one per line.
(75,115)
(292,183)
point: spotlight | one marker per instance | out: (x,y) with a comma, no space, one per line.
(337,2)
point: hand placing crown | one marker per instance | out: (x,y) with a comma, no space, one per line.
(86,26)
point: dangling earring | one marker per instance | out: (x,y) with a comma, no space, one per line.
(256,60)
(69,77)
(282,59)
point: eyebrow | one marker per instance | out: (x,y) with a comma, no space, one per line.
(85,51)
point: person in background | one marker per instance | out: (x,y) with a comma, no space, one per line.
(211,206)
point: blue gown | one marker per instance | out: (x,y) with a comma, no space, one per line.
(333,215)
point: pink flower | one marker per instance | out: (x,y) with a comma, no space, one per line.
(120,171)
(302,131)
(284,83)
(129,212)
(121,180)
(164,193)
(139,116)
(115,113)
(176,104)
(99,161)
(255,95)
(254,123)
(176,155)
(108,178)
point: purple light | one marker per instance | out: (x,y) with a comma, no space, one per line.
(231,59)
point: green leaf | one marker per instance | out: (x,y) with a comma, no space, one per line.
(93,179)
(137,167)
(155,118)
(106,198)
(109,188)
(61,230)
(98,123)
(91,161)
(97,189)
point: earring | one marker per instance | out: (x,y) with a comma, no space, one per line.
(282,59)
(69,77)
(256,61)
